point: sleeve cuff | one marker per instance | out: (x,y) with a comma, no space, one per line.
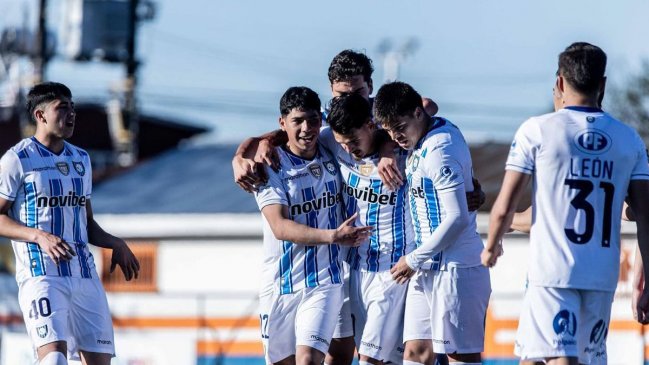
(411,261)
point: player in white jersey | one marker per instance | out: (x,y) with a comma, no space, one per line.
(45,189)
(583,163)
(377,301)
(301,205)
(450,279)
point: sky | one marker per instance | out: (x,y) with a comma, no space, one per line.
(488,64)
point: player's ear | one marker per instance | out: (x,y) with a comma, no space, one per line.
(602,90)
(371,125)
(39,115)
(282,123)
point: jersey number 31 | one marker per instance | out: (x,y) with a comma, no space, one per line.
(579,202)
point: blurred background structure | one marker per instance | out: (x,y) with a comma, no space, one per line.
(164,89)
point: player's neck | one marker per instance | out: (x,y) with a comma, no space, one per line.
(571,98)
(303,154)
(52,143)
(377,140)
(425,125)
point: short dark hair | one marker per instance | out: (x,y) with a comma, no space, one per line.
(583,65)
(348,64)
(348,112)
(44,93)
(301,98)
(394,100)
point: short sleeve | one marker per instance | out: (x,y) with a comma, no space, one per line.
(11,175)
(522,153)
(641,168)
(88,176)
(273,192)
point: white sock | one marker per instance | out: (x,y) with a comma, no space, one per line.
(54,358)
(408,362)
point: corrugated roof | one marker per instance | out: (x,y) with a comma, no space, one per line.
(187,180)
(199,179)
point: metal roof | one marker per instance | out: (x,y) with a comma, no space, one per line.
(196,179)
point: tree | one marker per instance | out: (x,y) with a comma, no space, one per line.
(630,103)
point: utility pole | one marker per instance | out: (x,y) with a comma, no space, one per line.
(40,64)
(128,152)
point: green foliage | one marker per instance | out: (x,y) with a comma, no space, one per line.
(630,102)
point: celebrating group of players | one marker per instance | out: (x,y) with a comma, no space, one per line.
(354,256)
(370,236)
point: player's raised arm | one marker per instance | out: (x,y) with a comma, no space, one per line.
(251,154)
(122,255)
(502,214)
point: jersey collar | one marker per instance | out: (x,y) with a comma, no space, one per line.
(585,109)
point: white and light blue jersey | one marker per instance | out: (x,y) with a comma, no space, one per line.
(441,161)
(377,206)
(310,189)
(582,161)
(49,192)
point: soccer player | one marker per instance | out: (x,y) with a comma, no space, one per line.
(583,162)
(450,290)
(45,188)
(302,283)
(377,301)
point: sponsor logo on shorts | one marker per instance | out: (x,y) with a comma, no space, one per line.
(599,332)
(565,322)
(42,331)
(564,342)
(596,352)
(104,342)
(320,339)
(371,345)
(443,342)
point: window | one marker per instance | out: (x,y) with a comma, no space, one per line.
(147,255)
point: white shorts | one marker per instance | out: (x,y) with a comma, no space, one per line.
(562,322)
(377,304)
(416,319)
(304,318)
(345,321)
(458,299)
(68,309)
